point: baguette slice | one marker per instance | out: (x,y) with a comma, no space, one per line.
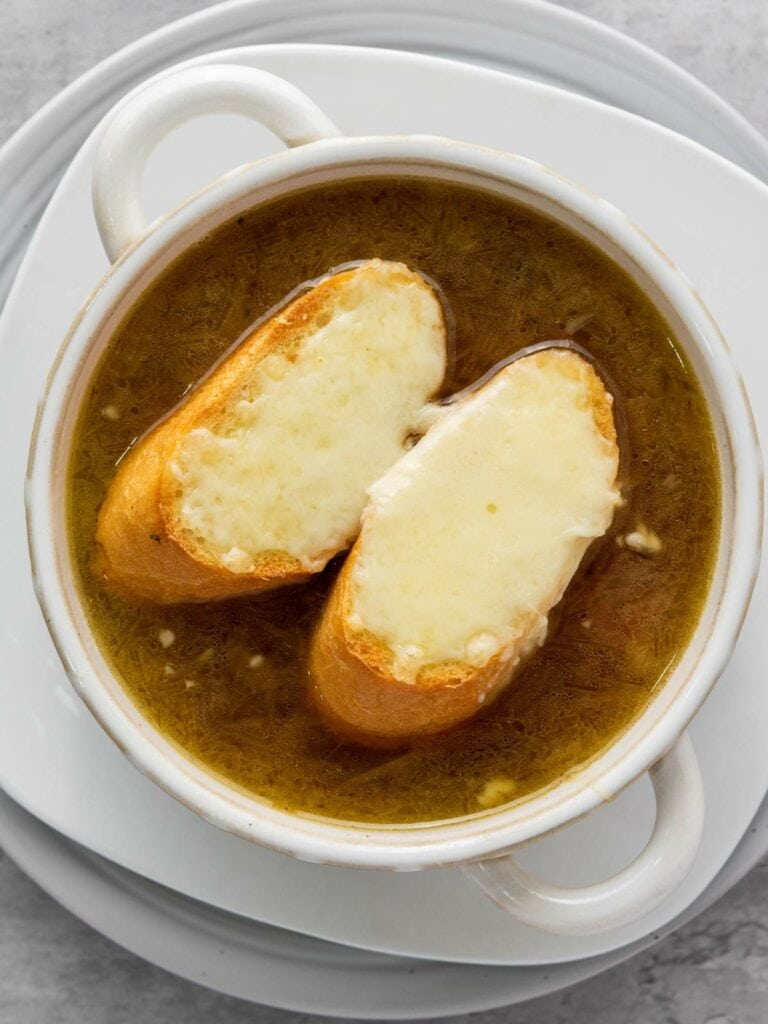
(466,545)
(261,475)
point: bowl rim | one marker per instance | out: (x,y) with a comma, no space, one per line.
(399,847)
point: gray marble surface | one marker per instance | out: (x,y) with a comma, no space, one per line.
(55,970)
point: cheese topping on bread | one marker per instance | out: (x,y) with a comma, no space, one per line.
(261,475)
(467,543)
(483,524)
(287,465)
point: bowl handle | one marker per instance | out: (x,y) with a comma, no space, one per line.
(144,117)
(653,875)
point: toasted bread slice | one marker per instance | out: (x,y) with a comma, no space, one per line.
(466,545)
(261,475)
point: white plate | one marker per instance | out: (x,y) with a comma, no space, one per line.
(268,965)
(711,217)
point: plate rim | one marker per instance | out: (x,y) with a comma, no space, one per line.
(31,845)
(396,53)
(46,129)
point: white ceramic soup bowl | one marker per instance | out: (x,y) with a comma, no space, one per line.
(317,154)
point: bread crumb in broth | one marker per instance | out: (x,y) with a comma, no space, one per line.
(644,541)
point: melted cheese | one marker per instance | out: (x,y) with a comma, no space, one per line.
(288,469)
(473,536)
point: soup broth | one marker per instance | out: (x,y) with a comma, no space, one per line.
(227,681)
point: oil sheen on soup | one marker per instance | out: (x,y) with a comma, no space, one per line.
(226,681)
